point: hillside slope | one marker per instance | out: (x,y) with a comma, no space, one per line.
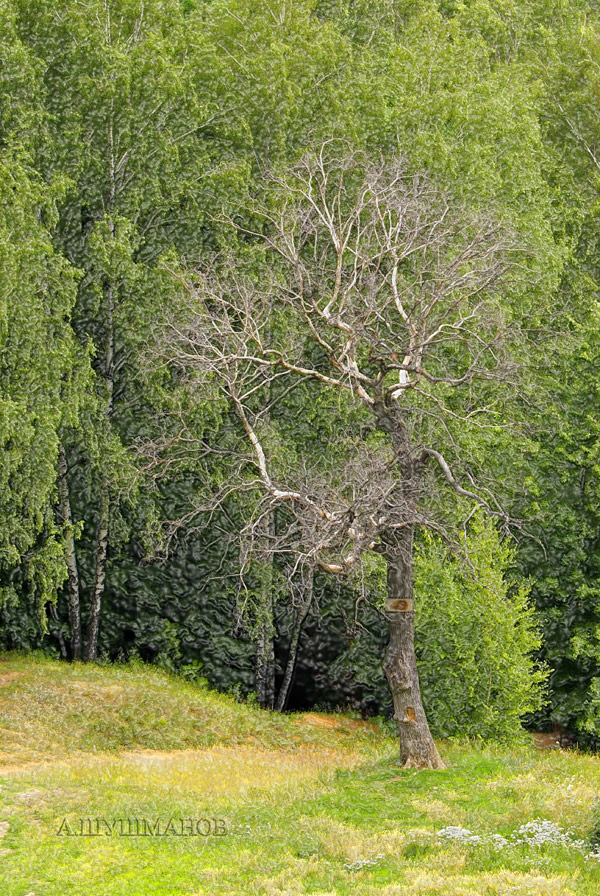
(123,781)
(54,709)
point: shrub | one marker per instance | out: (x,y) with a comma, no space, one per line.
(476,637)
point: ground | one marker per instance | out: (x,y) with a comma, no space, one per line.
(237,801)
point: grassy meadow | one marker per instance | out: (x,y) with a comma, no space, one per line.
(296,804)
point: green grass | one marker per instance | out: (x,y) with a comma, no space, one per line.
(49,708)
(312,804)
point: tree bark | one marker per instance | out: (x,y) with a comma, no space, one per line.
(91,651)
(71,556)
(264,669)
(417,747)
(59,634)
(93,626)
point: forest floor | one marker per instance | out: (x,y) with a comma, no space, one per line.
(125,781)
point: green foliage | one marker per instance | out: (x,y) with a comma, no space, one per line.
(130,134)
(477,636)
(41,373)
(560,469)
(476,639)
(37,290)
(132,112)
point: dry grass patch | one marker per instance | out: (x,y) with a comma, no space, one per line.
(53,709)
(499,883)
(351,845)
(217,775)
(329,721)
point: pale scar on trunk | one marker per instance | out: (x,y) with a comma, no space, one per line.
(400,605)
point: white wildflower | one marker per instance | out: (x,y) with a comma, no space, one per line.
(462,835)
(538,833)
(498,841)
(363,863)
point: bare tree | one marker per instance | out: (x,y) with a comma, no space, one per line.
(382,292)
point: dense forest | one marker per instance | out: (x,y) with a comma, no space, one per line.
(298,324)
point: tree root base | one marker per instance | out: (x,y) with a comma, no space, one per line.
(434,764)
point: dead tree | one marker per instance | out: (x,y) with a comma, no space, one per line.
(386,294)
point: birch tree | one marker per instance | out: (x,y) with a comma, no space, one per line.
(128,104)
(40,389)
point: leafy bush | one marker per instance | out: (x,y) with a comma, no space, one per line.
(476,637)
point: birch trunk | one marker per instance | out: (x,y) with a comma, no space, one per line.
(71,556)
(93,626)
(290,665)
(264,668)
(102,536)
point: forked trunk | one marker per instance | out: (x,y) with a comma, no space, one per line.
(299,617)
(417,748)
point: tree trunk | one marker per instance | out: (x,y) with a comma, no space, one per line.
(91,650)
(264,664)
(417,748)
(59,634)
(290,665)
(264,669)
(71,556)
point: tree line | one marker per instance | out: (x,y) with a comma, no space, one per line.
(298,351)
